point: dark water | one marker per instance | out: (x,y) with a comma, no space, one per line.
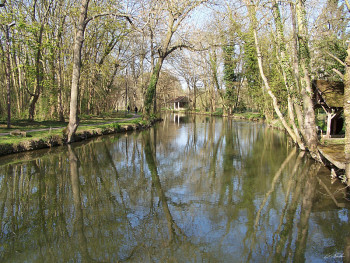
(194,189)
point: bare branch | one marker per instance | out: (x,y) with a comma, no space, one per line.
(348,5)
(185,14)
(186,46)
(338,72)
(120,15)
(337,59)
(87,20)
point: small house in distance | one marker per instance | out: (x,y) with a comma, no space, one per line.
(329,95)
(179,103)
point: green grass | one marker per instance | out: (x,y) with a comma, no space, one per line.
(87,124)
(332,141)
(249,115)
(25,125)
(37,135)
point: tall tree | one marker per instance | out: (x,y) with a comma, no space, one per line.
(287,74)
(8,73)
(6,29)
(176,12)
(310,132)
(230,78)
(251,5)
(39,18)
(78,44)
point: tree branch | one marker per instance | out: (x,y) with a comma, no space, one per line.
(338,72)
(337,59)
(185,14)
(186,46)
(347,4)
(126,16)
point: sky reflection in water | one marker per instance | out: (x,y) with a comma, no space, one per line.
(194,189)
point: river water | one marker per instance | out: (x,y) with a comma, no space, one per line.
(191,189)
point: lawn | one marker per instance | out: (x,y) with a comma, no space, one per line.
(25,125)
(49,129)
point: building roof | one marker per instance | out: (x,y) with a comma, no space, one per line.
(330,93)
(180,99)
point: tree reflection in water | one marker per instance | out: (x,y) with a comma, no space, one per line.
(200,189)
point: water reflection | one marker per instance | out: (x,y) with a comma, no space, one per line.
(194,189)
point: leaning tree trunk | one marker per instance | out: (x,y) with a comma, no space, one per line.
(252,13)
(306,86)
(78,43)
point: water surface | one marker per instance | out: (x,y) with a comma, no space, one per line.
(192,189)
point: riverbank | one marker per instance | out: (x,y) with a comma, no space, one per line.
(16,141)
(331,149)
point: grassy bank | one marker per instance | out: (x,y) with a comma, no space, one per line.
(38,135)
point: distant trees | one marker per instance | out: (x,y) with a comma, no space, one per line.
(235,62)
(167,18)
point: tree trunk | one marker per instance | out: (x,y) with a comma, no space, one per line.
(60,87)
(8,78)
(298,108)
(59,72)
(151,90)
(287,71)
(39,76)
(78,43)
(252,12)
(347,116)
(306,86)
(16,80)
(194,96)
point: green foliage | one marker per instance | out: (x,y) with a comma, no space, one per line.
(251,71)
(115,126)
(218,112)
(250,115)
(229,75)
(330,41)
(229,62)
(151,90)
(277,84)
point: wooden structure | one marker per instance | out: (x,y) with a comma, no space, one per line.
(329,95)
(180,103)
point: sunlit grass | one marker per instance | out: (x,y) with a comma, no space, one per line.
(25,125)
(332,141)
(55,128)
(35,135)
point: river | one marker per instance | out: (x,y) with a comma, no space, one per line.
(191,189)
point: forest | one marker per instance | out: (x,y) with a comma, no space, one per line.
(65,59)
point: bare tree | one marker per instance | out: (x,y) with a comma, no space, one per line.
(175,12)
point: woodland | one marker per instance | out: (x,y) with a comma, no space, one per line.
(63,59)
